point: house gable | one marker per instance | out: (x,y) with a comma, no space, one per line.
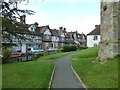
(32,28)
(96,31)
(47,32)
(62,35)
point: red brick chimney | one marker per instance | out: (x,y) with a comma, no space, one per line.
(22,19)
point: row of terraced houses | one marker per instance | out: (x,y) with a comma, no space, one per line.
(46,38)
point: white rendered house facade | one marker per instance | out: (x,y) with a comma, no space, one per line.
(93,38)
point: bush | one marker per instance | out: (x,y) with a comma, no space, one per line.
(6,55)
(83,47)
(59,50)
(41,53)
(73,48)
(67,48)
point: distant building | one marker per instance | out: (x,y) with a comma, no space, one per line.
(62,36)
(32,39)
(93,38)
(44,38)
(26,39)
(55,39)
(46,33)
(78,39)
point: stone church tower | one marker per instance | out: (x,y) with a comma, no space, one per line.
(110,29)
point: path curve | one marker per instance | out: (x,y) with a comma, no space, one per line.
(64,77)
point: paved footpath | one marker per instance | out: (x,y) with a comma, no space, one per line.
(64,77)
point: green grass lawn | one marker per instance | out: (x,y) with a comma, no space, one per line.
(93,74)
(34,74)
(54,56)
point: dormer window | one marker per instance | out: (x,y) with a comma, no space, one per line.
(32,29)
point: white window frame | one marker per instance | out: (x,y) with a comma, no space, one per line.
(47,36)
(95,37)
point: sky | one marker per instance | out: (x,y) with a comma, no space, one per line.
(74,15)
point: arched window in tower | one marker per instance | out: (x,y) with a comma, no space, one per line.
(105,7)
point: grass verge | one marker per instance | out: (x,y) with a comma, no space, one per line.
(27,75)
(92,73)
(54,56)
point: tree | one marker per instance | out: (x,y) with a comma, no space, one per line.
(10,25)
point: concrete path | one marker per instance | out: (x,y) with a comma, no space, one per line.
(64,76)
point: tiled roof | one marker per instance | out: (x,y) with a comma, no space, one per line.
(36,33)
(43,28)
(55,32)
(70,34)
(31,33)
(60,32)
(96,31)
(80,36)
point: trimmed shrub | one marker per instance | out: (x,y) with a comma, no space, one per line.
(6,55)
(41,53)
(67,48)
(60,50)
(73,48)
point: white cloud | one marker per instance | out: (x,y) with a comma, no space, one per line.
(57,0)
(62,1)
(110,0)
(88,23)
(24,5)
(38,17)
(82,25)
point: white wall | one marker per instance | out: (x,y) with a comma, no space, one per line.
(32,28)
(24,48)
(54,38)
(75,36)
(91,42)
(16,48)
(47,31)
(62,35)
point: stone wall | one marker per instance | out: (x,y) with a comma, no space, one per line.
(110,30)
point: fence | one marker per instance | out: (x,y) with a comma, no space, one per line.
(25,57)
(28,57)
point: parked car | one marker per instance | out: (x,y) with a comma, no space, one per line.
(52,49)
(36,50)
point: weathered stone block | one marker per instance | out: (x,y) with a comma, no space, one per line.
(110,30)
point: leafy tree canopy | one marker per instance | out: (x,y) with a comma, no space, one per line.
(9,13)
